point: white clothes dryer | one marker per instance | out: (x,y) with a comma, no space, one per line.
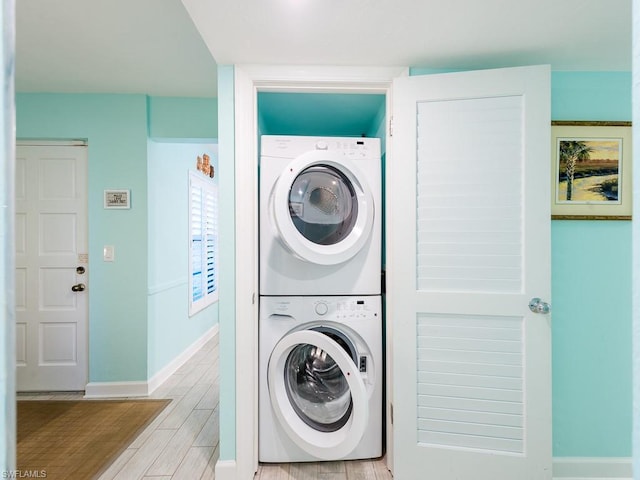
(320,376)
(320,216)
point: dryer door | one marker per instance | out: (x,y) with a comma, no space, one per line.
(322,208)
(317,393)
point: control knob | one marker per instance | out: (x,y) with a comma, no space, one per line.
(321,308)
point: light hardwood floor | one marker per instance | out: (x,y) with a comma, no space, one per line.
(348,470)
(182,442)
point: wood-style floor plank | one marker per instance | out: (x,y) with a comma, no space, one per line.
(175,451)
(194,463)
(303,471)
(340,470)
(144,456)
(273,471)
(361,470)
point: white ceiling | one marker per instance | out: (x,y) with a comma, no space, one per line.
(111,46)
(153,47)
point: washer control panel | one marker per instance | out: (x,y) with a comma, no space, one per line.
(306,309)
(345,308)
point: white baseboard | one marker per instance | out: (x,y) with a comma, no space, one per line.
(226,470)
(144,389)
(171,368)
(592,468)
(115,389)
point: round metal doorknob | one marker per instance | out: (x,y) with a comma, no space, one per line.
(79,287)
(536,305)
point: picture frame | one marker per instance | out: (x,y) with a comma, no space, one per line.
(117,199)
(591,170)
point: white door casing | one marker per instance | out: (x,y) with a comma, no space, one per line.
(468,237)
(248,81)
(51,259)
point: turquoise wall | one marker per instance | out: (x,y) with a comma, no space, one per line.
(124,331)
(322,114)
(116,129)
(170,329)
(591,290)
(179,118)
(636,240)
(227,298)
(591,96)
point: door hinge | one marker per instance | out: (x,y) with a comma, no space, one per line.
(391,126)
(391,412)
(253,298)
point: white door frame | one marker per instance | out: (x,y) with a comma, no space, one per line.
(248,81)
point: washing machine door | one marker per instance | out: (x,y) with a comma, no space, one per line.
(322,208)
(317,393)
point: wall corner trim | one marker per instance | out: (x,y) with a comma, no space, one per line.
(226,470)
(144,389)
(592,468)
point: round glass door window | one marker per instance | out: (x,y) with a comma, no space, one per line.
(316,386)
(323,205)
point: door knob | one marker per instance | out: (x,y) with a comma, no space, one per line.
(79,287)
(538,306)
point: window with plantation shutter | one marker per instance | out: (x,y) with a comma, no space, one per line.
(203,242)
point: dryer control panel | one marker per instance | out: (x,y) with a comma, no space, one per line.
(291,147)
(351,148)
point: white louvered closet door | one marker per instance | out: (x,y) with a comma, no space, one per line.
(469,237)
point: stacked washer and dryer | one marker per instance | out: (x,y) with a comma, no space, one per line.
(321,369)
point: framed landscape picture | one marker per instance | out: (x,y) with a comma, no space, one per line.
(591,171)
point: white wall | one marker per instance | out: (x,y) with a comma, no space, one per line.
(7,319)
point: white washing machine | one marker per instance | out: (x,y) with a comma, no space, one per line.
(321,374)
(320,216)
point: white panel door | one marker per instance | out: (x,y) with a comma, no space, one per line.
(469,247)
(51,267)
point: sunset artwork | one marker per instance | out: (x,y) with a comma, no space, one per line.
(589,170)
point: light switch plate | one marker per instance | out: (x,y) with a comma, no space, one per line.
(108,253)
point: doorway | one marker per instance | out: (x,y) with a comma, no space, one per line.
(51,267)
(247,83)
